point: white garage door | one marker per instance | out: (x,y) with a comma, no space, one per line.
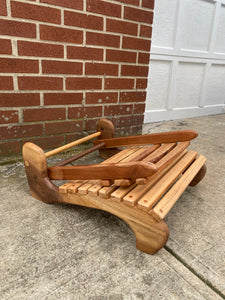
(187,63)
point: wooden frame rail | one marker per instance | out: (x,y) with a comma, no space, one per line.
(72,144)
(147,139)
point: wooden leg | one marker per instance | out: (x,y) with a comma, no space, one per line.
(36,170)
(199,176)
(151,238)
(151,234)
(107,130)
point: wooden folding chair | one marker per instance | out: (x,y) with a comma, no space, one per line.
(139,183)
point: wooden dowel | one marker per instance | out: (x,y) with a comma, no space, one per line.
(72,144)
(79,155)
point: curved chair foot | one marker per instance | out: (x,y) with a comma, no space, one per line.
(199,176)
(150,238)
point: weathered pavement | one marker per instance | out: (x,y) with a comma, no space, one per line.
(71,252)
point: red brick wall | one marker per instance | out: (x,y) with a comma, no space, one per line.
(66,63)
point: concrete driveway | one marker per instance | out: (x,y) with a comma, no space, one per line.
(71,252)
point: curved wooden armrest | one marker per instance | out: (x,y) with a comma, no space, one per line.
(147,139)
(130,170)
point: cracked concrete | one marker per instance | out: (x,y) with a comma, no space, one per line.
(71,252)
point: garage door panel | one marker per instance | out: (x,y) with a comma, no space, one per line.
(220,36)
(215,85)
(165,22)
(187,65)
(189,84)
(160,80)
(196,24)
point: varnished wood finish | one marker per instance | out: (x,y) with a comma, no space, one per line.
(166,160)
(107,130)
(106,171)
(72,144)
(163,184)
(199,176)
(147,139)
(168,201)
(142,207)
(36,170)
(151,235)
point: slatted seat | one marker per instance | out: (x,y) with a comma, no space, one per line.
(142,202)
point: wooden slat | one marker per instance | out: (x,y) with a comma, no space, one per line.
(166,160)
(63,188)
(148,139)
(105,192)
(132,197)
(157,191)
(171,197)
(72,189)
(159,153)
(118,194)
(83,189)
(94,190)
(137,156)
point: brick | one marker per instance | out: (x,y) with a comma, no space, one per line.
(20,131)
(59,34)
(83,20)
(137,71)
(143,58)
(16,28)
(84,53)
(146,31)
(119,83)
(148,3)
(115,110)
(136,130)
(139,108)
(133,2)
(104,8)
(120,56)
(8,116)
(108,40)
(83,83)
(101,69)
(6,83)
(132,96)
(47,142)
(131,120)
(3,8)
(64,127)
(40,49)
(15,65)
(138,15)
(78,4)
(35,12)
(84,112)
(5,46)
(135,43)
(44,114)
(73,137)
(19,99)
(121,27)
(61,67)
(9,148)
(141,83)
(101,97)
(62,98)
(40,83)
(90,125)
